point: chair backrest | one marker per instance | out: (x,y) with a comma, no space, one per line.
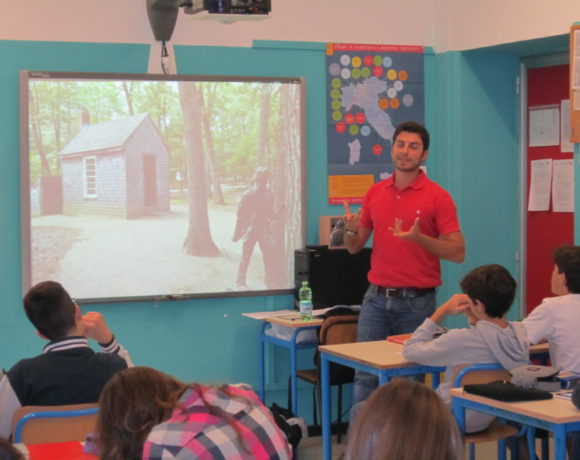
(46,424)
(334,331)
(338,329)
(480,373)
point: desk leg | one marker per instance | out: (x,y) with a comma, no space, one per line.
(435,380)
(383,378)
(326,429)
(559,442)
(262,365)
(293,379)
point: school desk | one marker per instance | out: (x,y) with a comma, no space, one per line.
(556,415)
(381,358)
(297,326)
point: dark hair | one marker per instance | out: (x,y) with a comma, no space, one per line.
(493,286)
(567,259)
(413,127)
(404,420)
(8,451)
(136,400)
(50,309)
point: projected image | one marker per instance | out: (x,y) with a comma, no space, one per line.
(157,187)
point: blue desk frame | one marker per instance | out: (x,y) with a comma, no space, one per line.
(293,346)
(560,430)
(383,374)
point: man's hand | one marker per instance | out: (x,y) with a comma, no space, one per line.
(412,234)
(351,221)
(457,304)
(96,328)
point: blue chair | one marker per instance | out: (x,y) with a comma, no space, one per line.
(46,424)
(496,431)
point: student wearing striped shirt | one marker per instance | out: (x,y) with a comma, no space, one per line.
(145,413)
(68,371)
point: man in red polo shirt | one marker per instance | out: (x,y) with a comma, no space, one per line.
(415,224)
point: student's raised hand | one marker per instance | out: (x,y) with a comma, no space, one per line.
(96,328)
(351,221)
(457,304)
(412,234)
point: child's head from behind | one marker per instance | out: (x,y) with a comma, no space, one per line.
(404,420)
(50,309)
(567,262)
(131,404)
(491,285)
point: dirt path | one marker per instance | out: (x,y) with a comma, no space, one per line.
(139,257)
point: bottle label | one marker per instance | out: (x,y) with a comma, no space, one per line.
(306,307)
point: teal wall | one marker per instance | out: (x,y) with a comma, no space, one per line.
(471,111)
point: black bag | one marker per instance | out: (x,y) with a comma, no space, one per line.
(507,391)
(293,432)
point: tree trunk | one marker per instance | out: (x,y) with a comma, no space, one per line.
(216,188)
(198,241)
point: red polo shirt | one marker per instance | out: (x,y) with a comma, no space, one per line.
(396,262)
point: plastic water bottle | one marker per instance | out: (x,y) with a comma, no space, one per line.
(305,297)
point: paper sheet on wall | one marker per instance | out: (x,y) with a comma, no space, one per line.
(541,178)
(563,186)
(565,144)
(544,126)
(576,61)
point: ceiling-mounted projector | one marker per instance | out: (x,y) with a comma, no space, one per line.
(237,7)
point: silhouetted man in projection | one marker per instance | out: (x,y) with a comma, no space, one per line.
(255,214)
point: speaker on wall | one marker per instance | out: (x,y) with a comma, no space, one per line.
(335,276)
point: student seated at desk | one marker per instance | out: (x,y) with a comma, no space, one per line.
(145,413)
(557,319)
(68,371)
(489,291)
(404,420)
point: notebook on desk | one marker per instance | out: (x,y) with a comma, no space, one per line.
(400,338)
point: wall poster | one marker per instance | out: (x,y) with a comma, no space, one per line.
(370,90)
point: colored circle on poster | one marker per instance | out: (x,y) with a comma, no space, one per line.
(403,75)
(408,100)
(377,60)
(360,118)
(340,127)
(392,74)
(377,71)
(336,83)
(383,103)
(353,130)
(349,118)
(387,61)
(345,59)
(365,130)
(366,72)
(356,73)
(377,149)
(337,115)
(395,103)
(335,93)
(398,85)
(334,69)
(345,73)
(392,92)
(336,104)
(368,60)
(356,61)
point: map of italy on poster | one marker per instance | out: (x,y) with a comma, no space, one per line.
(370,90)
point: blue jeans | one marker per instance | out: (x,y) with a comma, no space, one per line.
(382,316)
